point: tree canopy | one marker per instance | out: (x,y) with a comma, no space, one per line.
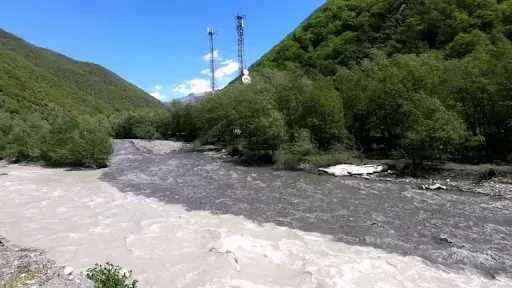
(426,80)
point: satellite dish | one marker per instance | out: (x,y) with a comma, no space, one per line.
(245,72)
(246,79)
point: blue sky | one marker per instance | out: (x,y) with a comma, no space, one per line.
(158,45)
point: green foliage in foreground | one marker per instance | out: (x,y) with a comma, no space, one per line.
(110,276)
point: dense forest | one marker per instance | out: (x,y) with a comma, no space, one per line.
(55,109)
(427,81)
(423,80)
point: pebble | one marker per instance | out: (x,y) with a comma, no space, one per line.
(68,270)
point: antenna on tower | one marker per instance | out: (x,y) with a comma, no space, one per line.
(240,28)
(210,34)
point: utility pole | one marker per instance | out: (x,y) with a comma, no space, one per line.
(240,28)
(210,33)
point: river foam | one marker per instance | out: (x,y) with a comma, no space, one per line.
(81,220)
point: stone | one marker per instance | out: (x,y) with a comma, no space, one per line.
(433,187)
(68,270)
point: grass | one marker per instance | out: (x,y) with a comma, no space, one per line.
(318,159)
(331,158)
(505,169)
(110,276)
(21,280)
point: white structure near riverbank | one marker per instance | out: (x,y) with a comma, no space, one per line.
(348,169)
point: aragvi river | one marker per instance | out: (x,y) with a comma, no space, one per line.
(182,219)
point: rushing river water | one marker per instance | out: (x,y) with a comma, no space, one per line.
(265,229)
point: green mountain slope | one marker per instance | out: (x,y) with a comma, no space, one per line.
(342,32)
(36,80)
(423,80)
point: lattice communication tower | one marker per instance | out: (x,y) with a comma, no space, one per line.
(210,34)
(240,28)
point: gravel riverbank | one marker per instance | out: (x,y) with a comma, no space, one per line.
(31,267)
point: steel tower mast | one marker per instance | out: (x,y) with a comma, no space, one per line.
(210,33)
(240,28)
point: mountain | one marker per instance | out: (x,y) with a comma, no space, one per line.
(343,32)
(38,80)
(191,98)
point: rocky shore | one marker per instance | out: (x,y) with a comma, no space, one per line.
(30,267)
(467,179)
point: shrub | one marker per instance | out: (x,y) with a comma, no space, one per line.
(21,139)
(333,157)
(110,276)
(77,141)
(433,133)
(150,125)
(292,154)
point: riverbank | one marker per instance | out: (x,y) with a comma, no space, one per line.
(31,267)
(486,179)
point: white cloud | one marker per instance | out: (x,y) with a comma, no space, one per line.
(158,88)
(208,56)
(158,95)
(197,85)
(200,85)
(229,68)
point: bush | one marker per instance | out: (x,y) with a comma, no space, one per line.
(21,139)
(67,141)
(292,154)
(432,134)
(77,141)
(110,276)
(150,125)
(332,158)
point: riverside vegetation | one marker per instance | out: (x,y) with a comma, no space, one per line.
(428,81)
(55,110)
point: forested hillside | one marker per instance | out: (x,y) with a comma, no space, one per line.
(423,80)
(37,80)
(61,111)
(343,32)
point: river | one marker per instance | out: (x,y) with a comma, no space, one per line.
(183,219)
